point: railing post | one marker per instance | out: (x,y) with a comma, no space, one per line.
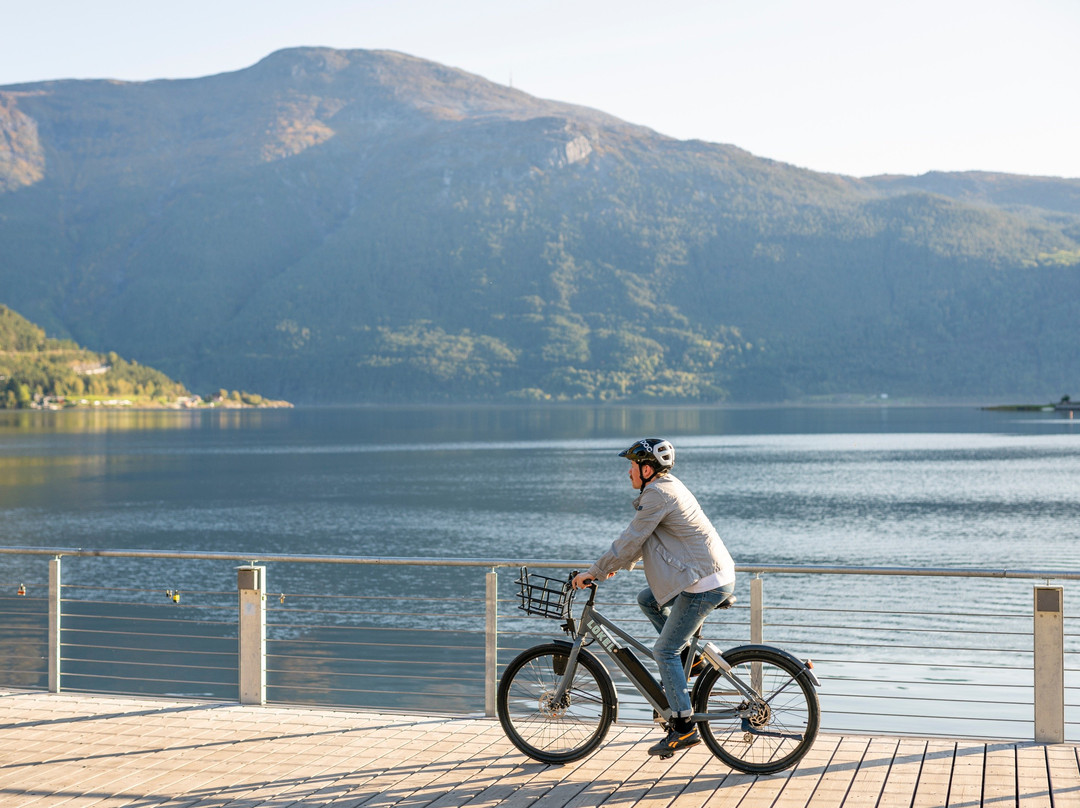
(1049,648)
(54,625)
(491,641)
(757,625)
(251,586)
(757,619)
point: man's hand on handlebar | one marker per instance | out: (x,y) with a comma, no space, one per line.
(582,580)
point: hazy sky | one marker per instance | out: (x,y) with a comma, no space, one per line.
(849,86)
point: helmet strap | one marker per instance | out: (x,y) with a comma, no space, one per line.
(641,466)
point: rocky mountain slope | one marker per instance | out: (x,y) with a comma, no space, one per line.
(331,226)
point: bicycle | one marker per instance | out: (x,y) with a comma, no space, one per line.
(756,706)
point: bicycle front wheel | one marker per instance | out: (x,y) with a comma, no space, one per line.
(765,734)
(548,729)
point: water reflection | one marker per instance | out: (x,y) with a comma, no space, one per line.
(920,487)
(495,423)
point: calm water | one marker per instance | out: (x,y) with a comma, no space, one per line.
(914,487)
(906,486)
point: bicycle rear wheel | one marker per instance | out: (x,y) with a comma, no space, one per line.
(545,729)
(769,734)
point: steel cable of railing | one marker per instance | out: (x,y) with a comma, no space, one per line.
(120,638)
(24,633)
(927,673)
(386,661)
(370,635)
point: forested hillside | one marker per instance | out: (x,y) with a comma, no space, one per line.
(343,226)
(38,371)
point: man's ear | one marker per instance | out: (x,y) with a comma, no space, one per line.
(647,468)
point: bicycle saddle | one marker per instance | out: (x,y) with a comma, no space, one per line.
(727,602)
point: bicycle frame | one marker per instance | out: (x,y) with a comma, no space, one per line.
(593,624)
(556,701)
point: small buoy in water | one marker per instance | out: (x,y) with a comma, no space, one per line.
(21,590)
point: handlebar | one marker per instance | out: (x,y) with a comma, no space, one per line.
(591,586)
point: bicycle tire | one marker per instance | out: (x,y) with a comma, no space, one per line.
(777,734)
(555,733)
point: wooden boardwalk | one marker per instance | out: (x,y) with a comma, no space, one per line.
(79,750)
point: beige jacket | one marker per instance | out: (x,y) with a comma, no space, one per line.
(673,537)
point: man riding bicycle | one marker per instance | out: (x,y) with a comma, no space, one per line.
(687,567)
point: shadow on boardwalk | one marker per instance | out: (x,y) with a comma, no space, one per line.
(110,751)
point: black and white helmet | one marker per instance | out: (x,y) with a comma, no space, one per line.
(655,452)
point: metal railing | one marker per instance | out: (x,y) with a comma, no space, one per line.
(970,652)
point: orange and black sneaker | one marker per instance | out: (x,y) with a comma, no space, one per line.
(675,741)
(698,666)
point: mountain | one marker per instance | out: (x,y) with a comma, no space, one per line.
(1029,195)
(338,226)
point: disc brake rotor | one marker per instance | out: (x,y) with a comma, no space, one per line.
(761,715)
(553,708)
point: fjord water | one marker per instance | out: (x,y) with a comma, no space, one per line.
(921,487)
(933,487)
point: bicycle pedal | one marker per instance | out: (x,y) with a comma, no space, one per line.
(668,755)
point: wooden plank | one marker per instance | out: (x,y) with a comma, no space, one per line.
(558,786)
(375,743)
(519,781)
(932,790)
(766,790)
(260,763)
(317,784)
(550,786)
(126,762)
(793,787)
(1032,783)
(732,791)
(869,782)
(429,755)
(698,774)
(610,768)
(657,783)
(456,774)
(647,775)
(539,784)
(999,776)
(1064,775)
(966,785)
(902,777)
(807,773)
(834,784)
(618,774)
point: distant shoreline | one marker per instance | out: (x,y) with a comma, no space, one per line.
(1065,405)
(66,404)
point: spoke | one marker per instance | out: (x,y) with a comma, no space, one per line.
(588,696)
(787,684)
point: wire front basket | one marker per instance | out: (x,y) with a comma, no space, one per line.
(545,597)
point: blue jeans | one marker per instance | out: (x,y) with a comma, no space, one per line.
(676,621)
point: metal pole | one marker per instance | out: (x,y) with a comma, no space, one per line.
(54,625)
(1049,647)
(757,618)
(491,641)
(251,586)
(757,626)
